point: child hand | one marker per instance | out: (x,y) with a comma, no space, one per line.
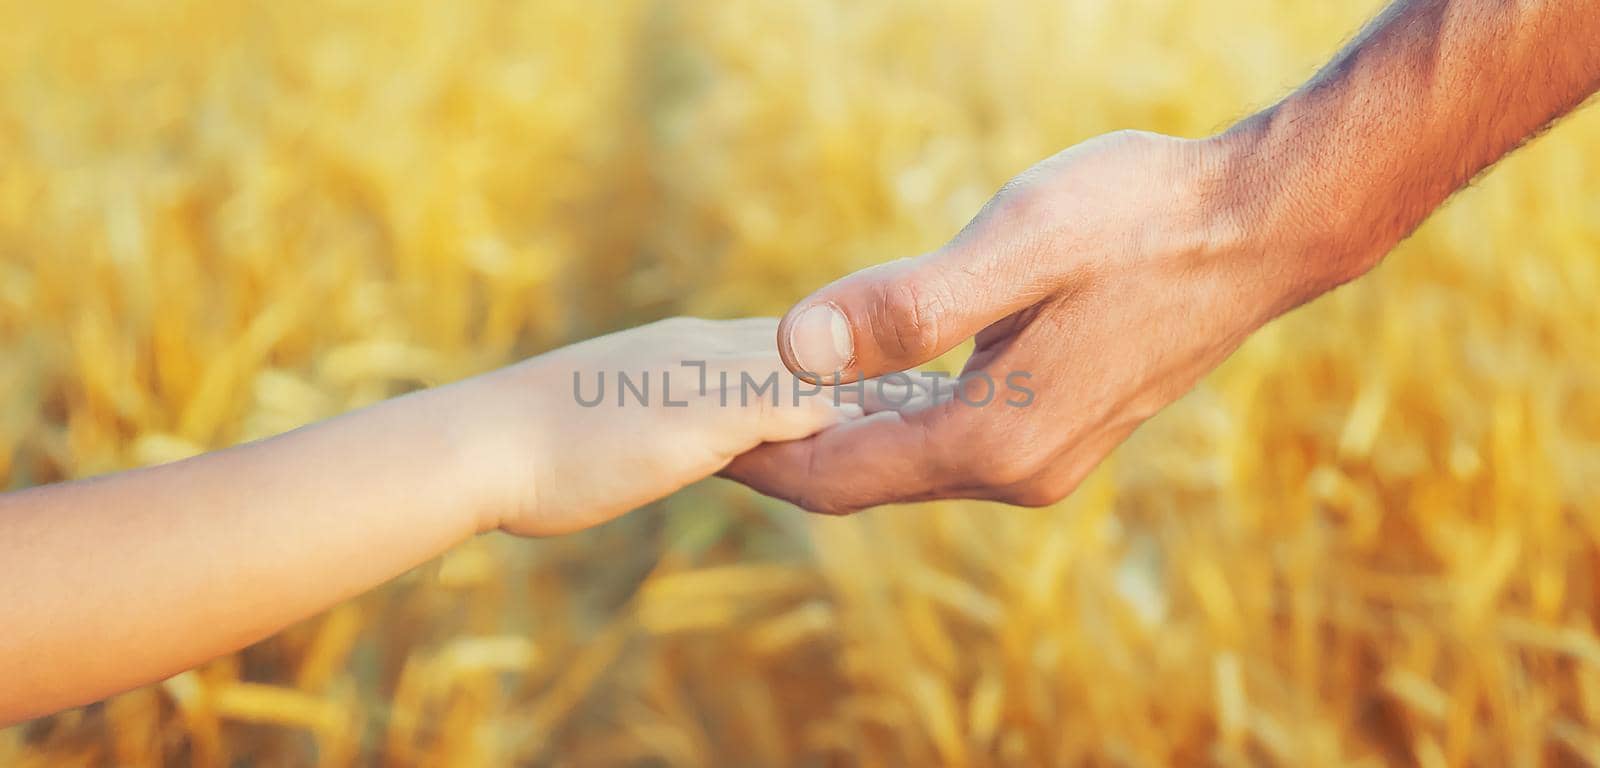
(217,551)
(651,410)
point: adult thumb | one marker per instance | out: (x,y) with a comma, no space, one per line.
(901,314)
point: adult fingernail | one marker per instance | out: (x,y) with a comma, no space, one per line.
(820,341)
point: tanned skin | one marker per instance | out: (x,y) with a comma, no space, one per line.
(1428,96)
(1120,271)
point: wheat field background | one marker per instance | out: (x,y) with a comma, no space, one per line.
(1371,537)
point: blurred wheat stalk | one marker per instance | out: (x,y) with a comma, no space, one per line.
(1370,537)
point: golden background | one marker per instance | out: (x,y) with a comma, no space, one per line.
(1370,537)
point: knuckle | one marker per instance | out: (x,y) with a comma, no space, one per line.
(1130,136)
(819,498)
(1019,200)
(906,321)
(683,327)
(1130,140)
(819,505)
(1007,455)
(1004,470)
(994,450)
(1037,493)
(764,410)
(1029,198)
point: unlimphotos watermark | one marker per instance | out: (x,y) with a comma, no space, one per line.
(976,389)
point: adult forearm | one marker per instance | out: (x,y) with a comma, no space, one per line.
(1430,94)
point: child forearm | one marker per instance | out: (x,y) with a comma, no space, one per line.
(113,582)
(118,581)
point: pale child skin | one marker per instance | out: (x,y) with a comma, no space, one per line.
(118,581)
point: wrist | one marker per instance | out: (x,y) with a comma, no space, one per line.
(497,444)
(1279,199)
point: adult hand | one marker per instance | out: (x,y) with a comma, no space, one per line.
(1109,277)
(1117,273)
